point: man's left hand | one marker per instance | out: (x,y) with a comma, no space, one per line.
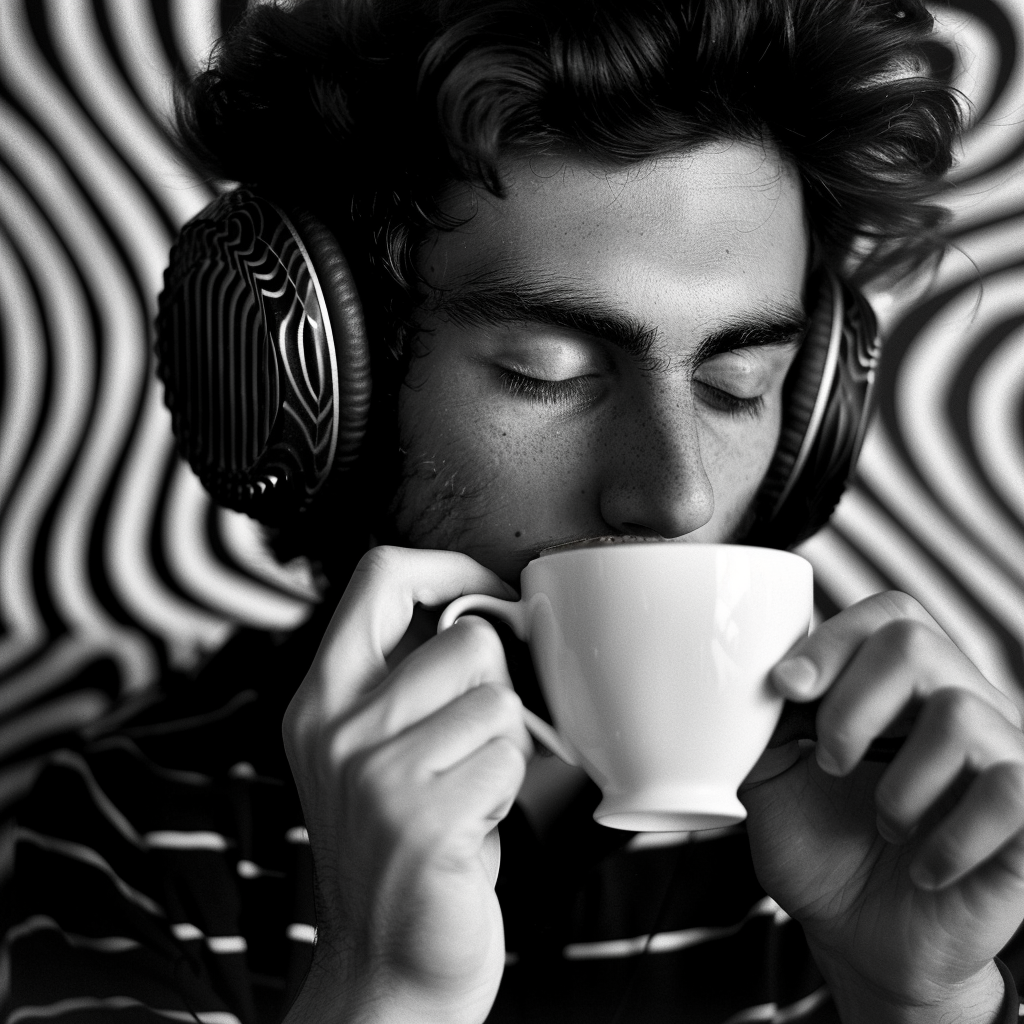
(908,877)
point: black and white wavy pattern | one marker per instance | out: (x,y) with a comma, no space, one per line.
(115,567)
(111,556)
(938,507)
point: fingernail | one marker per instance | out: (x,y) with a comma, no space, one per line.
(827,763)
(798,675)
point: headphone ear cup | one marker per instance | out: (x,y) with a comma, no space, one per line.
(262,350)
(344,312)
(826,406)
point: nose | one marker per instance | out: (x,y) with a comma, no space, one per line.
(654,481)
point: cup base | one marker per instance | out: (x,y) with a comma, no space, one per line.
(677,809)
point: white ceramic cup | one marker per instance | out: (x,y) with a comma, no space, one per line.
(653,659)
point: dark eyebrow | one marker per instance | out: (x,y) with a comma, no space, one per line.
(781,325)
(502,301)
(483,302)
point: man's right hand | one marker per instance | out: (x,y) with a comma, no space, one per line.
(404,771)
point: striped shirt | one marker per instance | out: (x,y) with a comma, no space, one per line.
(162,872)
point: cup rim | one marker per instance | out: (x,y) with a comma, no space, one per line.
(657,549)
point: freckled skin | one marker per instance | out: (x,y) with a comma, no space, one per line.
(687,243)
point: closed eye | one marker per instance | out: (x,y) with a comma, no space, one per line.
(723,401)
(571,391)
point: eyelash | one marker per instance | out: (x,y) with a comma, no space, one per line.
(575,390)
(730,404)
(548,392)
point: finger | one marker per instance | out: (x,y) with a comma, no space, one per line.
(377,607)
(485,785)
(814,662)
(446,666)
(462,727)
(893,671)
(985,819)
(452,815)
(955,733)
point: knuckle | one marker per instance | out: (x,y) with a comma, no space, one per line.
(953,711)
(379,561)
(499,707)
(483,701)
(509,759)
(899,605)
(507,704)
(907,640)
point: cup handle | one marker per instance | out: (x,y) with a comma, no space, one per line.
(513,613)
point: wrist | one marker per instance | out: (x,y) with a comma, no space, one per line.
(976,1000)
(335,993)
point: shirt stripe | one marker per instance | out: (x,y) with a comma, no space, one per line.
(185,931)
(172,840)
(664,942)
(780,1015)
(302,933)
(64,1006)
(76,763)
(247,869)
(226,944)
(41,922)
(194,721)
(86,855)
(182,776)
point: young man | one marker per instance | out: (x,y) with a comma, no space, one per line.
(584,236)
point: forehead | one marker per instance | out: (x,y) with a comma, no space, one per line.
(726,215)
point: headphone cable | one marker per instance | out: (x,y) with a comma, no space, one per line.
(657,926)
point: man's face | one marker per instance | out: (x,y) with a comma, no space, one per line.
(604,353)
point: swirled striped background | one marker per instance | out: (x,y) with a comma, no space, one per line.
(115,568)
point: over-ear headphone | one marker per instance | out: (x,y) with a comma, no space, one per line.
(262,349)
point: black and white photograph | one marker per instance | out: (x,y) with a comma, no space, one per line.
(512,511)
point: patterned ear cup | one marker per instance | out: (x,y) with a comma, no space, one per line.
(826,402)
(262,350)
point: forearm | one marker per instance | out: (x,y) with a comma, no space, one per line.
(981,1000)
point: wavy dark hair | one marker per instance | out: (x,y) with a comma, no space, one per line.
(367,110)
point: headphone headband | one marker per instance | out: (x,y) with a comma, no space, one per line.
(826,404)
(262,349)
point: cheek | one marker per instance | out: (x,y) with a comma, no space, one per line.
(737,456)
(485,480)
(444,474)
(461,466)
